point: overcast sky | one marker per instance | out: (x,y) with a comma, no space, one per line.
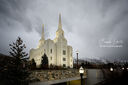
(97,28)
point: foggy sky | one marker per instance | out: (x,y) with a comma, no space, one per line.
(85,23)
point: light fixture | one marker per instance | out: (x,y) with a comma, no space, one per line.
(111,69)
(81,71)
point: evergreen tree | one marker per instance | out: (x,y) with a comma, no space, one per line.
(16,71)
(44,62)
(33,64)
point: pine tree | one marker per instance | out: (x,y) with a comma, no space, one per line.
(44,62)
(33,64)
(17,49)
(17,72)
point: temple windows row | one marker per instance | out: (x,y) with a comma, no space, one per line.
(50,51)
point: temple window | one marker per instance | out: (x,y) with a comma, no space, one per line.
(51,50)
(64,52)
(64,59)
(64,65)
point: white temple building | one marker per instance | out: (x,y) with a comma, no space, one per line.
(57,50)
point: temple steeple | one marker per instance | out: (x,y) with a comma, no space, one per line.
(60,31)
(42,37)
(59,25)
(41,41)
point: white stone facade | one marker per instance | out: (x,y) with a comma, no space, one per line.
(57,50)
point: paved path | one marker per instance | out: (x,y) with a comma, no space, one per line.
(55,81)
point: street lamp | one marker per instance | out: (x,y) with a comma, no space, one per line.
(81,71)
(123,68)
(77,57)
(111,69)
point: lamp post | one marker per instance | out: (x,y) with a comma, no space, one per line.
(81,71)
(127,68)
(77,57)
(111,69)
(122,68)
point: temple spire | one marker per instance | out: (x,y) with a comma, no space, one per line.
(60,32)
(41,41)
(60,25)
(42,31)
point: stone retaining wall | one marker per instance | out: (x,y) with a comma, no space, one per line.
(47,75)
